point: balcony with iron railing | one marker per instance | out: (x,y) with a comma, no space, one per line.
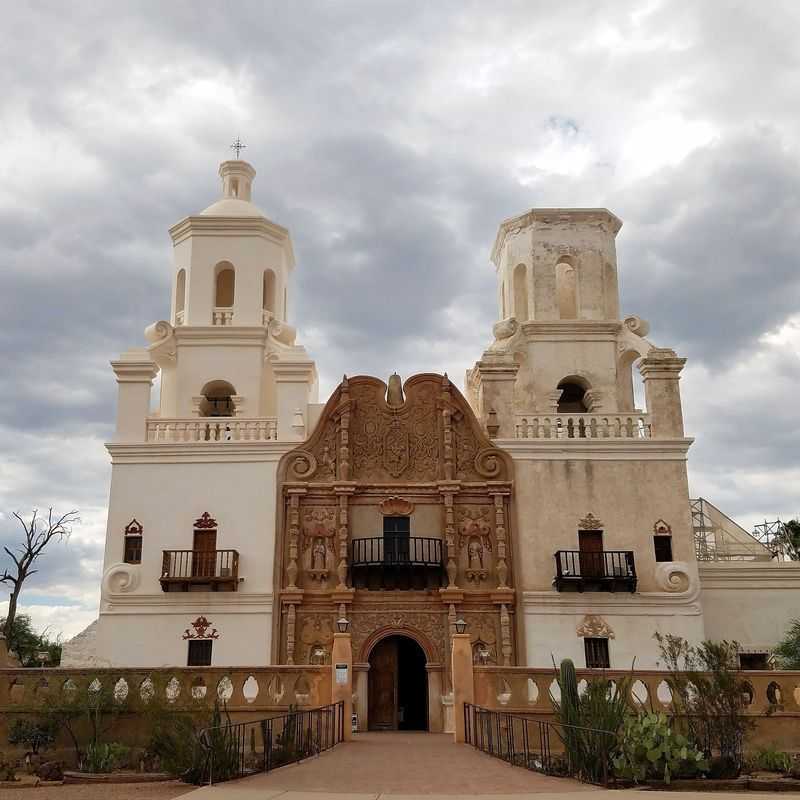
(195,570)
(595,571)
(212,429)
(397,562)
(632,425)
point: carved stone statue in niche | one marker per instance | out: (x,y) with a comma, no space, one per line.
(475,542)
(316,639)
(319,528)
(475,551)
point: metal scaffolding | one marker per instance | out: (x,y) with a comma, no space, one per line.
(718,538)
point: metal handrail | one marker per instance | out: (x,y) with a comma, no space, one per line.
(397,550)
(595,564)
(525,742)
(197,564)
(233,750)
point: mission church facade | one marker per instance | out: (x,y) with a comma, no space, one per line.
(541,506)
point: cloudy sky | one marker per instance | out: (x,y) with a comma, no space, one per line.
(391,138)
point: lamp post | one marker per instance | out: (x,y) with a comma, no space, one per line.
(461,625)
(343,625)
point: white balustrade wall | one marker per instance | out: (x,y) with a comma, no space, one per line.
(213,429)
(583,426)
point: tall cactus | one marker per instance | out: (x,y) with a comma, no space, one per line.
(569,713)
(568,683)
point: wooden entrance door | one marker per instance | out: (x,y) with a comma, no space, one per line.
(204,554)
(590,544)
(383,686)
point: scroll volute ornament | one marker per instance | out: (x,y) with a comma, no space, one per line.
(396,507)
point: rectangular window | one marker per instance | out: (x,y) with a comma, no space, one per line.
(133,550)
(199,653)
(663,548)
(596,653)
(753,661)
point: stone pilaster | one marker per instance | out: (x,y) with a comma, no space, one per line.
(661,371)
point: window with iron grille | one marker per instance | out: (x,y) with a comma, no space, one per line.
(596,653)
(663,548)
(199,653)
(753,661)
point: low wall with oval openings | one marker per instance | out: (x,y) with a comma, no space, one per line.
(260,690)
(772,697)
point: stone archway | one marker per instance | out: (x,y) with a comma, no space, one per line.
(418,691)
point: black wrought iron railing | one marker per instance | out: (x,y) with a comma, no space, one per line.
(604,569)
(393,550)
(540,745)
(199,566)
(234,750)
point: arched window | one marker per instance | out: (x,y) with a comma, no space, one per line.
(573,397)
(180,296)
(217,399)
(268,295)
(226,279)
(566,290)
(520,293)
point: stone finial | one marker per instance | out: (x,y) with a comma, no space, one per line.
(394,393)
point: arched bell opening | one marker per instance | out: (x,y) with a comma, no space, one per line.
(398,685)
(217,399)
(573,396)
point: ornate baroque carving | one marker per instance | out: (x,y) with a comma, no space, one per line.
(661,528)
(475,534)
(590,523)
(134,528)
(430,625)
(205,522)
(395,506)
(594,627)
(201,630)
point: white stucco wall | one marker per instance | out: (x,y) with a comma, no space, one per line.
(166,488)
(752,602)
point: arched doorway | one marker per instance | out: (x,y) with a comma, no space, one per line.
(398,686)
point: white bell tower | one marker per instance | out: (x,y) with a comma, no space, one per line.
(227,350)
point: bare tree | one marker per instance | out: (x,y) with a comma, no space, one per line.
(39,532)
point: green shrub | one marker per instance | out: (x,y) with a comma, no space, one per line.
(648,748)
(770,759)
(104,757)
(34,733)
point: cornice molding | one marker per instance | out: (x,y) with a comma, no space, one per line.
(197,452)
(737,575)
(220,335)
(572,330)
(172,604)
(552,216)
(596,449)
(636,605)
(260,227)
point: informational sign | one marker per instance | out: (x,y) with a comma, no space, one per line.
(354,722)
(341,673)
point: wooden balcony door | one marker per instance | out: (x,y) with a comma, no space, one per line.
(204,553)
(590,544)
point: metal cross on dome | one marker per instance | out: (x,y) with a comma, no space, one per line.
(237,146)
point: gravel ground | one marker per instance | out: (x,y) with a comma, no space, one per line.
(106,791)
